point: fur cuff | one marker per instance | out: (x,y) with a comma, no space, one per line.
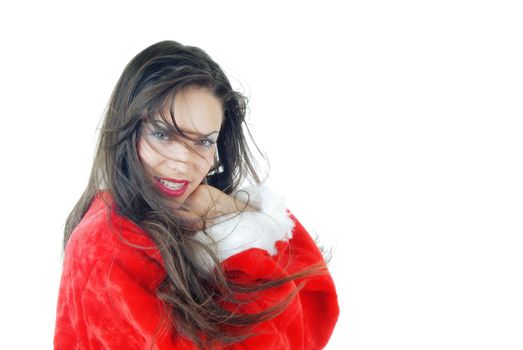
(234,233)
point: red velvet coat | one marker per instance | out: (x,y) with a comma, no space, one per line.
(107,293)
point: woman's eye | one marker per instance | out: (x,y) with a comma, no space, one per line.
(207,143)
(160,136)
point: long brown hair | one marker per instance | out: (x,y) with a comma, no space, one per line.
(192,295)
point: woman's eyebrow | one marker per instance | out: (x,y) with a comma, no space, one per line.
(206,135)
(165,125)
(199,134)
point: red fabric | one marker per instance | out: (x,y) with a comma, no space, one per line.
(107,293)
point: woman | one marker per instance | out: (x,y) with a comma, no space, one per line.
(163,249)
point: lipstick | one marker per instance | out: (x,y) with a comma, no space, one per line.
(169,191)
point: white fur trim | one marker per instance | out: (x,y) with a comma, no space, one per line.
(234,233)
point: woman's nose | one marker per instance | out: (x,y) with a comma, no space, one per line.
(178,156)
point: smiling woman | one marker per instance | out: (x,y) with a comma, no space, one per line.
(165,249)
(178,167)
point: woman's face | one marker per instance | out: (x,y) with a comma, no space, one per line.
(177,167)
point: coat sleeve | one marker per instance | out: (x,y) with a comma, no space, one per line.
(307,323)
(271,243)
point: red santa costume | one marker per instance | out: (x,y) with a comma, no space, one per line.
(107,294)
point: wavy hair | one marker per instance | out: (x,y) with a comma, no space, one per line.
(193,297)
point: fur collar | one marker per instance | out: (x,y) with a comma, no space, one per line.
(235,233)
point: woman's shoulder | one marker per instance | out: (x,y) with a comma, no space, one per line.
(102,228)
(103,239)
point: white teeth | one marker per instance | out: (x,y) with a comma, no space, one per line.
(172,185)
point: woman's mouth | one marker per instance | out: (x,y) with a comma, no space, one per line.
(171,187)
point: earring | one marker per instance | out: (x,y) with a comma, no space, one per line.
(215,170)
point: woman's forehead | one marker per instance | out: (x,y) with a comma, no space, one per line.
(195,110)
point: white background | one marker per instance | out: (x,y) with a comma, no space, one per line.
(394,129)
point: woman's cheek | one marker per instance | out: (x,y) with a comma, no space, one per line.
(205,166)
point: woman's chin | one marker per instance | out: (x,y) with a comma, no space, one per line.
(176,203)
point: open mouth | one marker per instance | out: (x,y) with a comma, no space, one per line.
(172,188)
(171,185)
